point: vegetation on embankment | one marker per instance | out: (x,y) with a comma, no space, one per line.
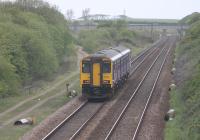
(186,98)
(34,42)
(111,34)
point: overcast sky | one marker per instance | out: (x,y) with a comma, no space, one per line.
(170,9)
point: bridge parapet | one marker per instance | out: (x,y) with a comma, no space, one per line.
(133,26)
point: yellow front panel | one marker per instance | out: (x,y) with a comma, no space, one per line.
(96,74)
(108,76)
(84,76)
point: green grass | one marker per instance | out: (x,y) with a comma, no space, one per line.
(18,110)
(186,99)
(11,132)
(35,101)
(186,124)
(172,131)
(8,102)
(49,107)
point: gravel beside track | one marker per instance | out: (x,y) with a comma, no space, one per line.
(70,127)
(152,127)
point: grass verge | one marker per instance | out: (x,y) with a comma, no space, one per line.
(11,132)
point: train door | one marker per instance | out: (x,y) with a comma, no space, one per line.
(96,74)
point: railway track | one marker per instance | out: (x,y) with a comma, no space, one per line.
(150,96)
(53,131)
(136,62)
(68,127)
(136,97)
(101,131)
(139,57)
(152,121)
(72,126)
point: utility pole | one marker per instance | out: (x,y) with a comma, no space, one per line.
(152,36)
(124,14)
(67,86)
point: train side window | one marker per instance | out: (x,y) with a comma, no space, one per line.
(106,67)
(86,67)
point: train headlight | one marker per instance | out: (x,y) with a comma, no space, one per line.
(86,81)
(106,81)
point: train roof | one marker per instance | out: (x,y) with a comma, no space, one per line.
(112,53)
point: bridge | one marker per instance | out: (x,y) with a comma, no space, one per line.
(148,26)
(158,26)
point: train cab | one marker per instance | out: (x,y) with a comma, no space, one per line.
(100,72)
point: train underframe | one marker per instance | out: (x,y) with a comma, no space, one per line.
(105,91)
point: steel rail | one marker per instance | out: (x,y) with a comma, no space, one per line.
(153,51)
(147,56)
(141,54)
(146,50)
(85,123)
(133,95)
(151,93)
(64,121)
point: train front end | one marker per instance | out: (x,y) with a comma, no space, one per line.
(96,77)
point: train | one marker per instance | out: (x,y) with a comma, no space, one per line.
(103,72)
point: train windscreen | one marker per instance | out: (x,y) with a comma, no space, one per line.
(106,67)
(86,67)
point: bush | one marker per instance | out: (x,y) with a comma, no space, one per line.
(9,81)
(94,39)
(34,39)
(107,34)
(186,99)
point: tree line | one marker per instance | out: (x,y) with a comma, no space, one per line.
(34,39)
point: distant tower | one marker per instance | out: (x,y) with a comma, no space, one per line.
(124,12)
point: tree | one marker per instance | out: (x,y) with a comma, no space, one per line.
(34,42)
(85,14)
(69,14)
(9,80)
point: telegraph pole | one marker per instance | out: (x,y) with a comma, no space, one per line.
(152,31)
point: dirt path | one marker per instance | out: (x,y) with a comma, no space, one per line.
(40,103)
(80,55)
(38,95)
